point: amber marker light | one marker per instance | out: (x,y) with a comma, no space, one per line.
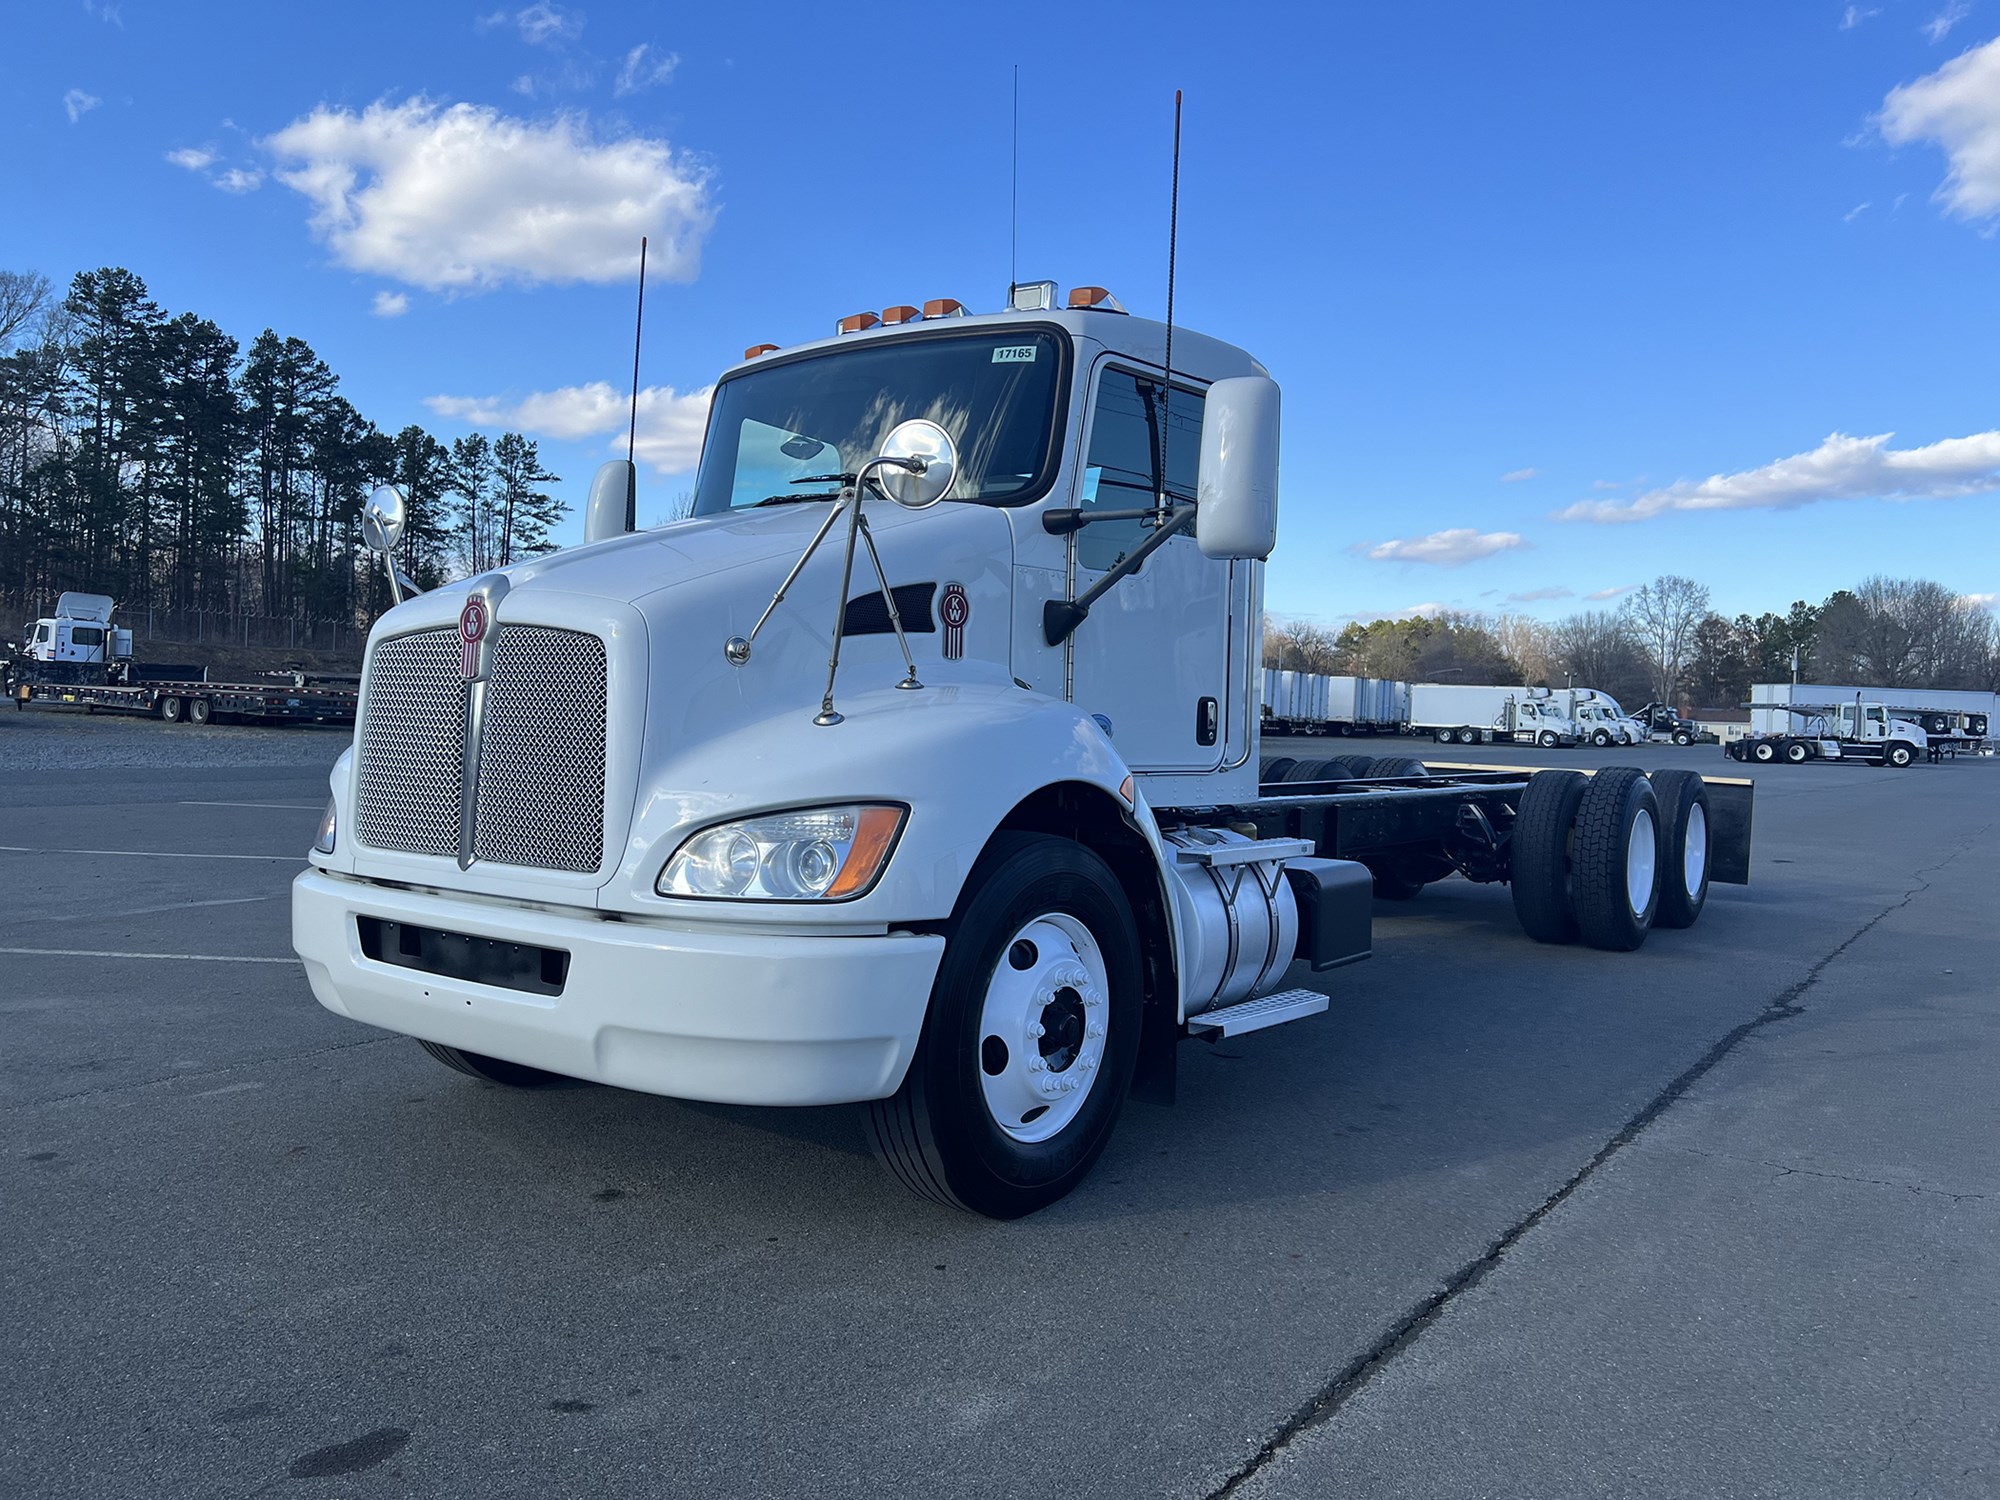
(757,350)
(902,313)
(872,842)
(1095,299)
(857,323)
(944,307)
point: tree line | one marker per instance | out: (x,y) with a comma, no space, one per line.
(1666,645)
(147,455)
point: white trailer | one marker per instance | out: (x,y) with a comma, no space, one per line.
(972,839)
(1315,703)
(1469,714)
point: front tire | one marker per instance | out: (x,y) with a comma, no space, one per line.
(498,1070)
(1031,1036)
(1547,740)
(1901,755)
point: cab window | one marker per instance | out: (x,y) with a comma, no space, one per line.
(1122,468)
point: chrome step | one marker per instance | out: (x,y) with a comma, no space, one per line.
(1255,1015)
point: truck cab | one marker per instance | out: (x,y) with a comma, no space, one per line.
(917,768)
(79,631)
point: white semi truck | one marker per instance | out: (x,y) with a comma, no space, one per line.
(79,631)
(958,816)
(1472,714)
(1870,733)
(1598,717)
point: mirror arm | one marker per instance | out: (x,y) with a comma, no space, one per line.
(1064,522)
(1060,617)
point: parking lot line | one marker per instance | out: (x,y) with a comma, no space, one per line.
(149,853)
(204,958)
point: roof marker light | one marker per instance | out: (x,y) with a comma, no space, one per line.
(901,313)
(1032,296)
(857,323)
(759,349)
(1096,298)
(944,307)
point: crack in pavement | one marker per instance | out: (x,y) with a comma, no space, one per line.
(1327,1402)
(1784,1170)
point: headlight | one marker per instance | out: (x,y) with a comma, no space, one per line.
(815,854)
(329,824)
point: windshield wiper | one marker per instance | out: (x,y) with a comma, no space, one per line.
(842,479)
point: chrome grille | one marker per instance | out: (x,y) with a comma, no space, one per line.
(541,753)
(412,745)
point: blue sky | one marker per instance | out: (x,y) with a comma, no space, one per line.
(1562,296)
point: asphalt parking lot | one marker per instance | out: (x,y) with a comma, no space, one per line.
(1715,1218)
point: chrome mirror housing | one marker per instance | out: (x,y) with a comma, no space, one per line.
(921,464)
(383,518)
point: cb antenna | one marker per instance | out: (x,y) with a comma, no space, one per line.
(632,432)
(1173,242)
(1014,196)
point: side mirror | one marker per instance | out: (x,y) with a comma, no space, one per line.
(932,446)
(382,519)
(1236,499)
(613,506)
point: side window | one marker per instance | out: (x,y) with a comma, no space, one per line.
(1121,470)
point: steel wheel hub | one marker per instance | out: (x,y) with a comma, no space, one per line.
(1694,852)
(1041,1027)
(1641,858)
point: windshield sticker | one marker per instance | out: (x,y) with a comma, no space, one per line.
(1015,354)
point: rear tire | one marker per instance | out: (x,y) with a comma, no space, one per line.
(1540,877)
(1306,770)
(1763,752)
(1445,736)
(1038,916)
(198,711)
(1353,767)
(1796,753)
(1684,844)
(170,710)
(1398,765)
(498,1070)
(1617,860)
(1274,771)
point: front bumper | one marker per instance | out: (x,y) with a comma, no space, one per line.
(715,1014)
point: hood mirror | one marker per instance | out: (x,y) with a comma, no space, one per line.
(931,448)
(382,519)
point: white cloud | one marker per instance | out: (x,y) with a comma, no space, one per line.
(194,158)
(1854,15)
(1599,595)
(540,24)
(1841,468)
(670,423)
(391,304)
(109,14)
(1958,107)
(1426,610)
(643,67)
(1980,601)
(1938,27)
(238,180)
(1517,475)
(77,104)
(1534,596)
(1447,549)
(466,198)
(1855,212)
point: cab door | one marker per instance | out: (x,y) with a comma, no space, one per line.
(1152,660)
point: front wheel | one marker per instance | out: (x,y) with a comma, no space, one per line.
(1600,739)
(1901,755)
(1547,740)
(1030,1039)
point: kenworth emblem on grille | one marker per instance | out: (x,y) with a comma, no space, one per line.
(472,623)
(954,609)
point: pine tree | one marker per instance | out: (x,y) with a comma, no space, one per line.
(527,510)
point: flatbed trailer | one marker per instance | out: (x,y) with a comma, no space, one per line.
(297,699)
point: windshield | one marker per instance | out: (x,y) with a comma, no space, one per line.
(995,392)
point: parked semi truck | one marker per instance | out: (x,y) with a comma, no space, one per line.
(78,658)
(1597,716)
(919,767)
(1857,731)
(1466,714)
(1662,724)
(1317,703)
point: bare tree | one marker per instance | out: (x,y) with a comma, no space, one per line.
(1663,615)
(1530,644)
(23,296)
(1301,646)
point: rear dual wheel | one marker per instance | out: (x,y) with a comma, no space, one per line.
(1586,858)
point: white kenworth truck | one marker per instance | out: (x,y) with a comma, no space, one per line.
(918,768)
